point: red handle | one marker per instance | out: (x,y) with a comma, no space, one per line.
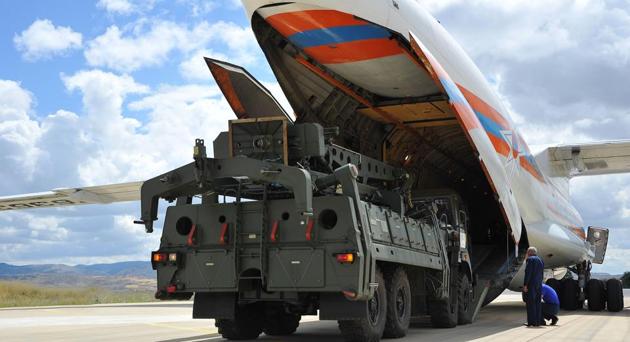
(309,229)
(274,232)
(223,238)
(191,236)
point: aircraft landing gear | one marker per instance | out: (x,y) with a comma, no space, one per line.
(599,294)
(614,295)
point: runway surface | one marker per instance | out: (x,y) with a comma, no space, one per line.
(171,322)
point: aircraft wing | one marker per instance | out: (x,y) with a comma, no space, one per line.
(589,159)
(101,194)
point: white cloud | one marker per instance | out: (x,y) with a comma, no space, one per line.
(276,91)
(18,133)
(112,134)
(179,114)
(203,7)
(43,40)
(195,68)
(102,145)
(116,52)
(103,92)
(116,6)
(138,47)
(125,7)
(122,148)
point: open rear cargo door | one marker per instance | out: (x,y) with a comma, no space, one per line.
(247,97)
(598,238)
(479,140)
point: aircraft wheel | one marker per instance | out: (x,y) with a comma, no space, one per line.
(370,328)
(246,325)
(569,299)
(614,295)
(398,304)
(596,295)
(281,324)
(465,300)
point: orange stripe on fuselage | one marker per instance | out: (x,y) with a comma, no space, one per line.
(499,145)
(579,232)
(531,169)
(355,51)
(300,21)
(481,106)
(466,116)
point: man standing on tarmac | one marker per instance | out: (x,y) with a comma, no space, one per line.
(532,287)
(551,304)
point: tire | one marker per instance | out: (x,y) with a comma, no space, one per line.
(370,328)
(281,324)
(556,285)
(596,295)
(614,295)
(398,304)
(246,325)
(444,312)
(569,300)
(465,300)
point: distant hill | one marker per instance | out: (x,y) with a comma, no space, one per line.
(605,276)
(127,268)
(130,275)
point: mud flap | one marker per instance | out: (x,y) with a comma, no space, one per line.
(598,240)
(334,306)
(214,305)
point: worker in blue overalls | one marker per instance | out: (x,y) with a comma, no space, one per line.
(532,287)
(551,304)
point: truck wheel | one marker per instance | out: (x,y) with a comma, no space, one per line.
(614,295)
(398,304)
(281,324)
(465,301)
(246,325)
(370,328)
(444,312)
(596,295)
(569,298)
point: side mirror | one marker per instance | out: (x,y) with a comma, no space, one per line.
(463,219)
(444,221)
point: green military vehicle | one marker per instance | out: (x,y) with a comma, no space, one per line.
(281,222)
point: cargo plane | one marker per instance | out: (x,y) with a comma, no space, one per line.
(402,91)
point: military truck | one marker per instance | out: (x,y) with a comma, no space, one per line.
(281,222)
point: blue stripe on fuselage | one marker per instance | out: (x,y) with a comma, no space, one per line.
(453,92)
(490,126)
(336,35)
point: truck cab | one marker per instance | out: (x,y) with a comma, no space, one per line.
(453,219)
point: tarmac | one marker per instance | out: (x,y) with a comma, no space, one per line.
(171,322)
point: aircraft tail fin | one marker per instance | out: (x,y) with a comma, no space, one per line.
(590,159)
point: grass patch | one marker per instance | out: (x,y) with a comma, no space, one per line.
(13,293)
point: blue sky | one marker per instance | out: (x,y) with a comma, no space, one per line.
(116,90)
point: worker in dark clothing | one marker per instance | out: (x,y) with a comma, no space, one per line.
(550,305)
(532,287)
